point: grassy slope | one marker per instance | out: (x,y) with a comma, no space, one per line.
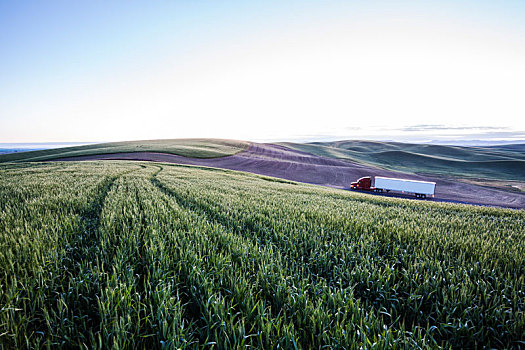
(140,255)
(496,162)
(195,148)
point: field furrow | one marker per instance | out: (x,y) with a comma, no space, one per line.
(45,241)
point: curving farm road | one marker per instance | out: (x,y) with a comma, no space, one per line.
(279,161)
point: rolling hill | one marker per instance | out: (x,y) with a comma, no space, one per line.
(195,148)
(506,162)
(323,165)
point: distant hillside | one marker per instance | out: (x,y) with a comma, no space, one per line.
(505,162)
(195,148)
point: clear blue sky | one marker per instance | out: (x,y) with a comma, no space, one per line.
(257,70)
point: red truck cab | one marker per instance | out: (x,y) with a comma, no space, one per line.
(363,183)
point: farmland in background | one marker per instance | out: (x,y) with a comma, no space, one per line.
(130,254)
(504,162)
(500,166)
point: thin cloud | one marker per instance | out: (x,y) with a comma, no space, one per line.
(433,127)
(500,135)
(469,136)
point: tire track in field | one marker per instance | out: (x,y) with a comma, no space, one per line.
(193,311)
(147,279)
(90,216)
(225,221)
(191,298)
(191,308)
(82,251)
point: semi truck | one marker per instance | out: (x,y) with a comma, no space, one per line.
(421,189)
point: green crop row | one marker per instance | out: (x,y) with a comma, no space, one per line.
(140,255)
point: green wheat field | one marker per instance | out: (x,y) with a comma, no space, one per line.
(139,255)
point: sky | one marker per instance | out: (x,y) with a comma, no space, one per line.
(78,71)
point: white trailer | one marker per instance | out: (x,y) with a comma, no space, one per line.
(421,189)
